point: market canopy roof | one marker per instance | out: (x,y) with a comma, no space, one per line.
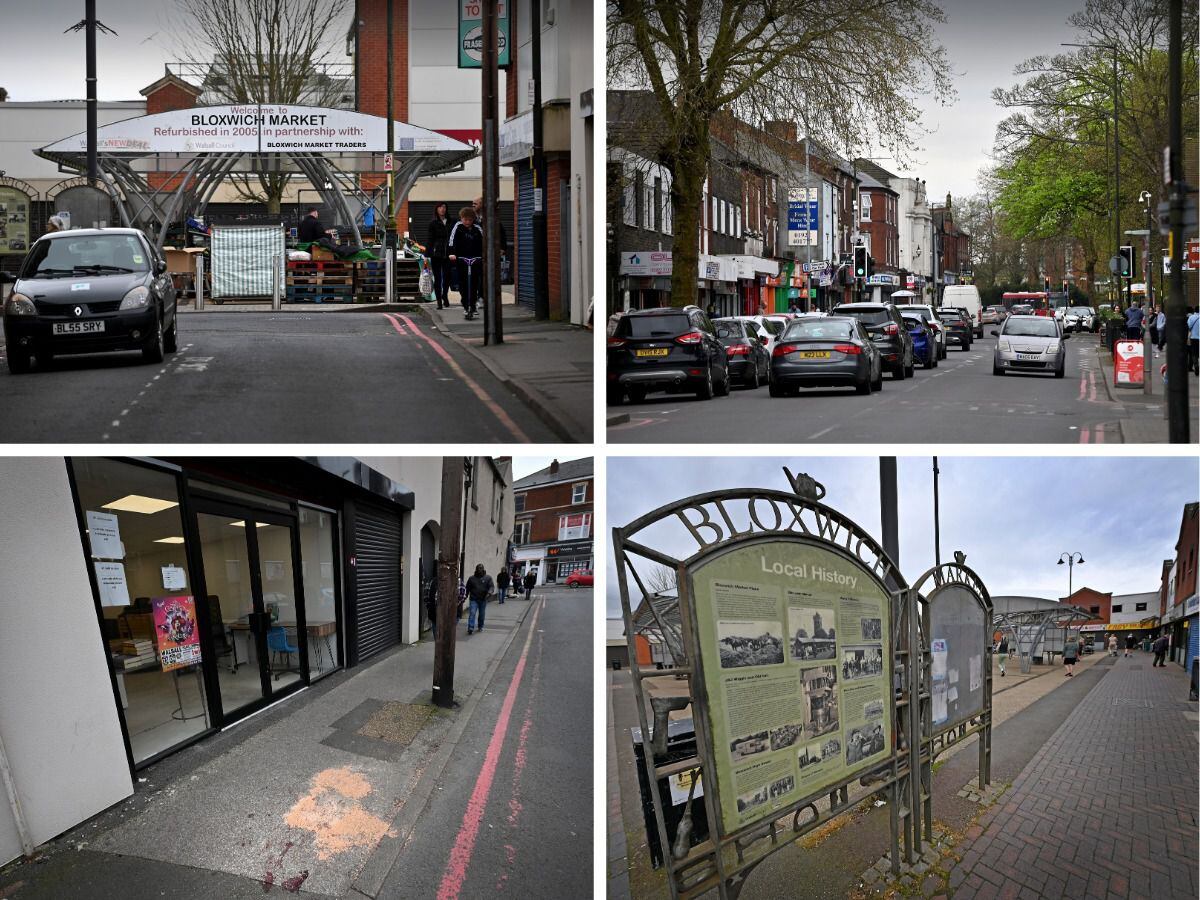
(357,141)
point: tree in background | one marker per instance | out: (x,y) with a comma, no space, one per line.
(270,52)
(848,70)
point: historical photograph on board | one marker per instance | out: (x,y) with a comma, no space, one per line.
(786,735)
(863,742)
(862,662)
(749,644)
(872,629)
(811,633)
(819,686)
(751,744)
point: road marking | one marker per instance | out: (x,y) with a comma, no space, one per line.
(479,392)
(1084,434)
(1099,436)
(823,431)
(460,855)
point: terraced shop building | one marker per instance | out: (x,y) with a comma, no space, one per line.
(149,603)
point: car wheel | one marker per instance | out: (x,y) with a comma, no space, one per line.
(775,389)
(863,387)
(754,382)
(615,396)
(1061,371)
(574,584)
(930,361)
(723,390)
(877,384)
(171,338)
(19,361)
(705,391)
(910,369)
(898,372)
(152,351)
(637,394)
(996,370)
(941,351)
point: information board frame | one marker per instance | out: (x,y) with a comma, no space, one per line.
(727,521)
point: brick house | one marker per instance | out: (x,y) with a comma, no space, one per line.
(1180,618)
(552,528)
(168,93)
(954,244)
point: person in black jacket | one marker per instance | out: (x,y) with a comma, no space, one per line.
(466,249)
(311,230)
(502,579)
(530,582)
(437,245)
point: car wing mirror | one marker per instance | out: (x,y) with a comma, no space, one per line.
(5,278)
(995,333)
(1066,334)
(160,266)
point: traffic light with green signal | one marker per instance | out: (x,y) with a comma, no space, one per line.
(1127,261)
(861,262)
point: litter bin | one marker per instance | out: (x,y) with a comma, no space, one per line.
(681,744)
(1114,330)
(1146,645)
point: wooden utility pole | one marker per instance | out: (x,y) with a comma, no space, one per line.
(453,472)
(493,322)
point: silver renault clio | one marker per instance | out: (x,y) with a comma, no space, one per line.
(1030,344)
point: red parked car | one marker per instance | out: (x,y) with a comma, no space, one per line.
(579,579)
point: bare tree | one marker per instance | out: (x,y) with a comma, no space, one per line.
(849,70)
(3,95)
(270,52)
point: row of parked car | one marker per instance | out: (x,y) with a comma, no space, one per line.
(683,350)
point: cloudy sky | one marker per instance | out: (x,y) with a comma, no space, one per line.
(527,465)
(985,39)
(1013,517)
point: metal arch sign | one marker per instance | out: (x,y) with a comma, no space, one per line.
(254,128)
(959,628)
(795,657)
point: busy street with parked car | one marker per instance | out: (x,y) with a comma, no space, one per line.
(864,372)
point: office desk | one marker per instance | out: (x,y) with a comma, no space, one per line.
(316,630)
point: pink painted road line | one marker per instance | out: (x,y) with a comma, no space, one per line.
(1084,434)
(1092,385)
(1099,435)
(479,392)
(1082,385)
(464,844)
(395,324)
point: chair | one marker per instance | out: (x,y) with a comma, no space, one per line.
(277,642)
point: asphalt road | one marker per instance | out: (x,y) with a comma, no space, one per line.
(517,820)
(958,402)
(268,377)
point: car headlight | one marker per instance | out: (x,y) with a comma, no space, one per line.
(1052,349)
(1003,345)
(19,305)
(136,298)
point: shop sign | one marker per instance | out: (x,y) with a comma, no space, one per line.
(176,632)
(1125,626)
(1191,605)
(569,548)
(1128,363)
(251,128)
(14,221)
(885,280)
(470,33)
(646,263)
(1099,627)
(803,217)
(819,265)
(796,660)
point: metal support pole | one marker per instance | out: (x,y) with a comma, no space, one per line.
(90,51)
(937,527)
(888,507)
(493,326)
(389,274)
(199,281)
(1178,425)
(453,472)
(390,240)
(541,281)
(276,264)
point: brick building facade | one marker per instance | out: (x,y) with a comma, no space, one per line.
(552,527)
(168,93)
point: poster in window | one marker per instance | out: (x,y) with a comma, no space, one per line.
(104,534)
(110,579)
(794,644)
(176,632)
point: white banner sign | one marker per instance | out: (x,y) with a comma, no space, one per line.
(653,263)
(254,128)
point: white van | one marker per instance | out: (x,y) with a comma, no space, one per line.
(965,296)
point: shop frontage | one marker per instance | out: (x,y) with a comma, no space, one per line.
(563,559)
(644,279)
(224,586)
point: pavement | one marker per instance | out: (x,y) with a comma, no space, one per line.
(960,401)
(276,377)
(336,791)
(1143,416)
(1079,765)
(548,364)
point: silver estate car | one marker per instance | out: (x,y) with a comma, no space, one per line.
(1030,344)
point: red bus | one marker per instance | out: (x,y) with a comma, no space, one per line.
(1039,300)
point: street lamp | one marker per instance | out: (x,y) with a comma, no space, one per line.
(1070,559)
(1145,197)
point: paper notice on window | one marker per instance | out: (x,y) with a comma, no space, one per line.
(939,650)
(104,534)
(174,578)
(110,579)
(976,672)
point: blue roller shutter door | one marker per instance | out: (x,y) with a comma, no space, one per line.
(525,236)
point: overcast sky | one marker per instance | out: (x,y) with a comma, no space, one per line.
(985,40)
(1013,517)
(527,465)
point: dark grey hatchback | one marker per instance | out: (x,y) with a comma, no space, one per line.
(824,351)
(669,349)
(90,290)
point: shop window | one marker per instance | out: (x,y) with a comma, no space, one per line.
(135,541)
(574,528)
(579,493)
(318,545)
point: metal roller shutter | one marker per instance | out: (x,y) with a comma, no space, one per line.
(377,584)
(525,236)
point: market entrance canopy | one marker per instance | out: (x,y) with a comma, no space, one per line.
(206,144)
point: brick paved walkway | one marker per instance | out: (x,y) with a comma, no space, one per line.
(1107,808)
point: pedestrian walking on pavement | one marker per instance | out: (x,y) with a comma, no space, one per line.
(466,251)
(1160,326)
(1003,653)
(530,581)
(1130,645)
(437,245)
(502,584)
(479,588)
(1160,651)
(1112,645)
(1193,325)
(1133,321)
(1071,654)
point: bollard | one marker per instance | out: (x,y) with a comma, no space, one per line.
(199,285)
(276,263)
(389,274)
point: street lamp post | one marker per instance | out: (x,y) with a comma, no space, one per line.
(1070,559)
